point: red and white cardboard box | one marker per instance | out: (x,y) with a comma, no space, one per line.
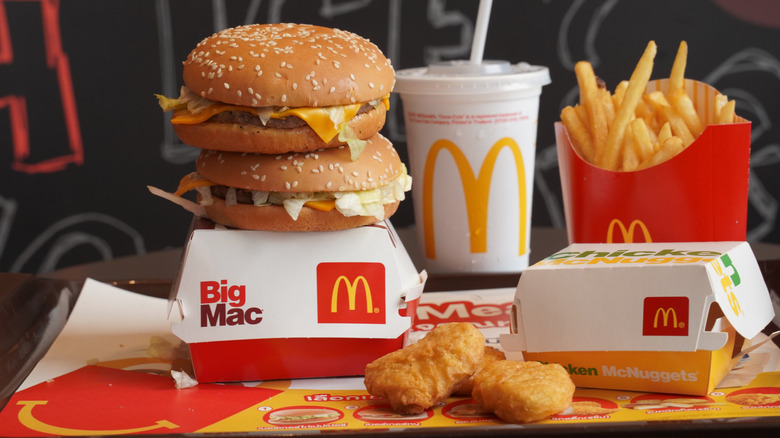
(259,305)
(701,194)
(656,317)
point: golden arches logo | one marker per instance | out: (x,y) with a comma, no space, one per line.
(476,191)
(351,293)
(628,233)
(665,316)
(665,312)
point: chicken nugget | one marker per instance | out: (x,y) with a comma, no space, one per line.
(420,375)
(491,355)
(523,392)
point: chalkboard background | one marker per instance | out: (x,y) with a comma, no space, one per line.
(81,134)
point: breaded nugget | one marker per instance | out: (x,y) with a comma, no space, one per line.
(491,355)
(523,392)
(420,375)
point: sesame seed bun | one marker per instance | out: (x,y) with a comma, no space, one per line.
(288,64)
(326,170)
(263,140)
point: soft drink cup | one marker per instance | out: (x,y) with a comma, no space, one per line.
(471,137)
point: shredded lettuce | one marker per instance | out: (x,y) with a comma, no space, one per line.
(293,206)
(336,115)
(259,198)
(354,203)
(346,134)
(356,145)
(371,202)
(187,100)
(293,202)
(205,196)
(169,104)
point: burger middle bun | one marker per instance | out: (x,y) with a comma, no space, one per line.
(325,170)
(261,139)
(275,218)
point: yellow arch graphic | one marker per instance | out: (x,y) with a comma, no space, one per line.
(351,292)
(664,313)
(476,191)
(628,233)
(27,419)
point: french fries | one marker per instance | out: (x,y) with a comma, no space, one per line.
(633,129)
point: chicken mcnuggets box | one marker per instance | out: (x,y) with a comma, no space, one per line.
(261,305)
(652,317)
(701,194)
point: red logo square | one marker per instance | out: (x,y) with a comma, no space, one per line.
(665,316)
(351,293)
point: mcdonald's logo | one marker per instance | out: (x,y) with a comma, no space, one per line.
(664,313)
(476,191)
(351,293)
(665,316)
(628,233)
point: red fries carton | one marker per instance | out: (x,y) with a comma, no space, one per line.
(650,317)
(260,305)
(699,195)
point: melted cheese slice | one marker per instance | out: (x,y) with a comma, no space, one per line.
(192,181)
(325,205)
(319,119)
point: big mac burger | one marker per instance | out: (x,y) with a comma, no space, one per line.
(288,119)
(303,416)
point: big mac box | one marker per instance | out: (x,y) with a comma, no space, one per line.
(650,317)
(261,305)
(302,275)
(633,181)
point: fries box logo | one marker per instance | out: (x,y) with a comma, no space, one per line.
(223,304)
(351,293)
(476,191)
(665,316)
(627,233)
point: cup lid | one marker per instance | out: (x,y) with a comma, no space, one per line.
(463,77)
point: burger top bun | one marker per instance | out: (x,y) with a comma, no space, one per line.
(292,65)
(324,170)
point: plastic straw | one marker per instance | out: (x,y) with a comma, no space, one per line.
(480,31)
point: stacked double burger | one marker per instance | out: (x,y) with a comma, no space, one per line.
(288,119)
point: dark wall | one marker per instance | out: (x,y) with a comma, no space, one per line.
(81,134)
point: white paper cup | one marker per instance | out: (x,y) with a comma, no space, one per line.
(471,136)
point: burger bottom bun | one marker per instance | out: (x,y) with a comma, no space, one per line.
(276,218)
(262,140)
